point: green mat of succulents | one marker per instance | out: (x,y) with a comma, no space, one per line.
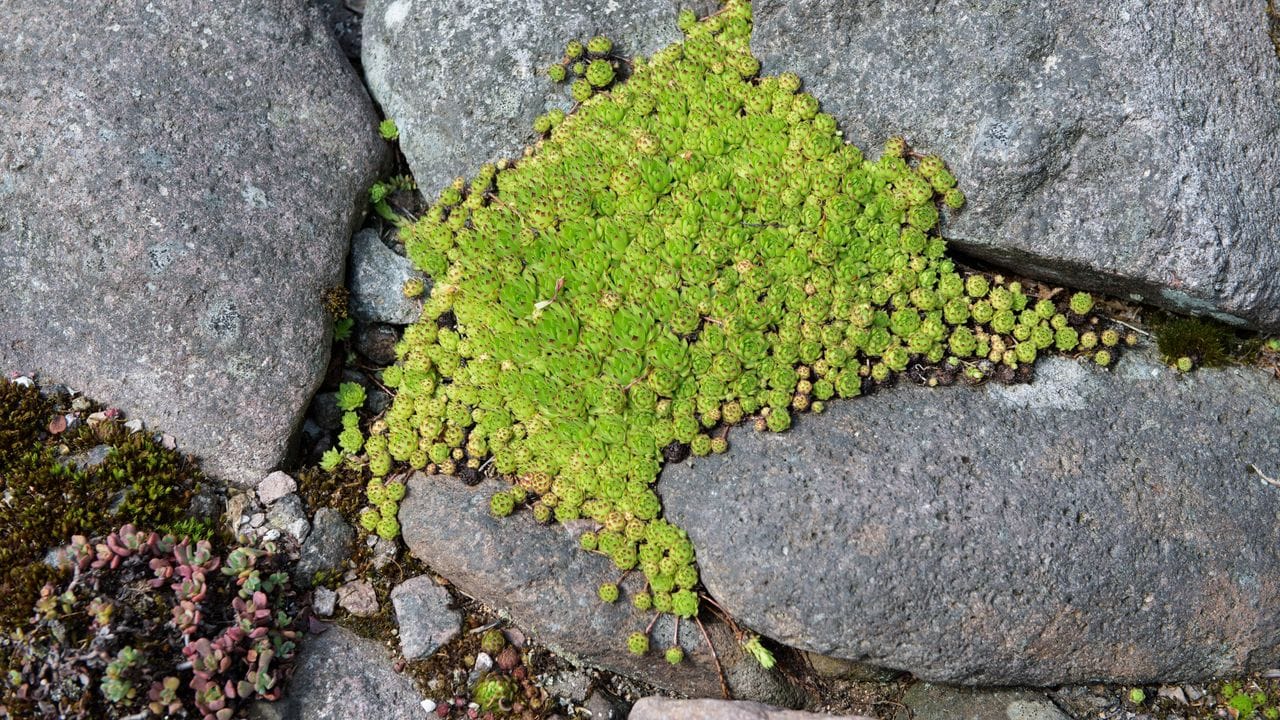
(691,247)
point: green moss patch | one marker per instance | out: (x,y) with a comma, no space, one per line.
(691,248)
(45,498)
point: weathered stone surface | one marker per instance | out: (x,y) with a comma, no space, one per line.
(548,585)
(288,515)
(340,676)
(660,708)
(377,342)
(830,667)
(426,621)
(926,701)
(358,598)
(178,183)
(464,81)
(604,705)
(1126,146)
(1092,525)
(275,486)
(327,547)
(324,601)
(377,282)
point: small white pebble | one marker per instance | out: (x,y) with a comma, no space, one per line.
(429,705)
(484,663)
(24,381)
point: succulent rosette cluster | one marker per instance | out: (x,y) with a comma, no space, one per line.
(150,625)
(687,249)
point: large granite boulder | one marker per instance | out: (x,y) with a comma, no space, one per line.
(178,184)
(1126,146)
(548,585)
(1092,525)
(464,81)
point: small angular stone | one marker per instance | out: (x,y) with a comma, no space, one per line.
(426,621)
(377,280)
(324,601)
(327,547)
(275,486)
(358,598)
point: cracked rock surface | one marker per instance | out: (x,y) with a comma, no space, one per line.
(1090,526)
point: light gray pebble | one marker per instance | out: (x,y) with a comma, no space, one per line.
(324,601)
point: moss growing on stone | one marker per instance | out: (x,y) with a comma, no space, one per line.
(45,497)
(689,248)
(1202,342)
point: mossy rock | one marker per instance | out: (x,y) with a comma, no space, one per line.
(46,499)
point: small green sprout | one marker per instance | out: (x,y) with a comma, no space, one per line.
(330,460)
(1081,303)
(351,396)
(388,130)
(608,592)
(501,504)
(599,45)
(342,328)
(758,651)
(638,643)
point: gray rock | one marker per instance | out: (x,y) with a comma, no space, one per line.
(426,621)
(288,515)
(571,684)
(340,675)
(377,342)
(325,411)
(178,183)
(377,280)
(275,486)
(604,705)
(324,601)
(384,552)
(548,585)
(358,598)
(927,701)
(830,667)
(1093,525)
(1127,147)
(660,708)
(327,547)
(465,81)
